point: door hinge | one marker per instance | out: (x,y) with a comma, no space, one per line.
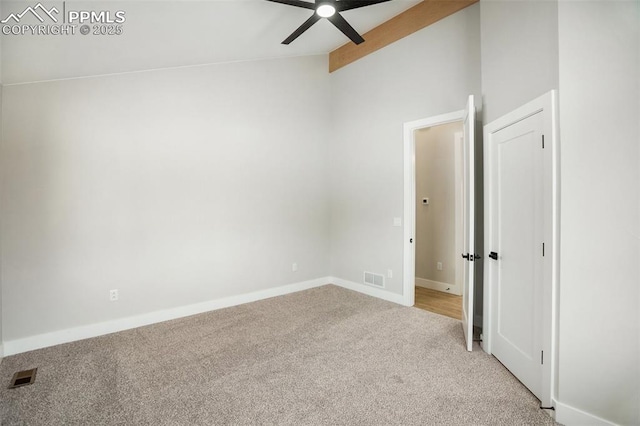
(542,249)
(541,357)
(542,141)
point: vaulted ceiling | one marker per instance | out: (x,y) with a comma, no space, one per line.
(172,33)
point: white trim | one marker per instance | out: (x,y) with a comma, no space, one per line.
(468,282)
(458,211)
(439,286)
(554,307)
(568,415)
(368,290)
(409,257)
(547,105)
(1,351)
(17,346)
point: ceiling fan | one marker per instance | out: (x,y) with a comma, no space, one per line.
(329,9)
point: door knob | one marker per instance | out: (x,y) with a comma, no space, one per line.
(493,255)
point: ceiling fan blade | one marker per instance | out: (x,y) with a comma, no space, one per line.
(298,3)
(354,4)
(302,28)
(347,29)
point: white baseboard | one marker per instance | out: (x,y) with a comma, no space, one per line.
(436,285)
(12,347)
(368,290)
(569,416)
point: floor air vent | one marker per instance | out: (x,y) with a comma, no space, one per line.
(376,280)
(23,378)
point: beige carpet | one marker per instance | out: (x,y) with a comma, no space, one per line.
(318,357)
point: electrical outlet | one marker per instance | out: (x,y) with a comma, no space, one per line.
(389,273)
(294,267)
(439,266)
(113,295)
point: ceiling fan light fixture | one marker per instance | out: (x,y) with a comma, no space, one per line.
(326,10)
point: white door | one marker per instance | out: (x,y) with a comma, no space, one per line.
(516,244)
(469,254)
(521,221)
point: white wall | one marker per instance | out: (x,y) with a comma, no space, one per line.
(435,223)
(1,236)
(176,187)
(428,73)
(599,368)
(1,80)
(589,50)
(519,53)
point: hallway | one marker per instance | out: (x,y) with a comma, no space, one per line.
(439,302)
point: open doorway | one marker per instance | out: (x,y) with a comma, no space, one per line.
(439,223)
(469,206)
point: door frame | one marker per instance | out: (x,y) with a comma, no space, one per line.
(459,203)
(409,141)
(548,106)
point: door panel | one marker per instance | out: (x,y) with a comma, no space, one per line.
(518,237)
(469,218)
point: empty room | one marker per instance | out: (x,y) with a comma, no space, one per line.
(216,212)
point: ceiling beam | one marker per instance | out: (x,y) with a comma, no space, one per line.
(408,22)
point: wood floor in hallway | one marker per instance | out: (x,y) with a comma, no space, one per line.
(439,302)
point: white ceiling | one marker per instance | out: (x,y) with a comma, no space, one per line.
(171,33)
